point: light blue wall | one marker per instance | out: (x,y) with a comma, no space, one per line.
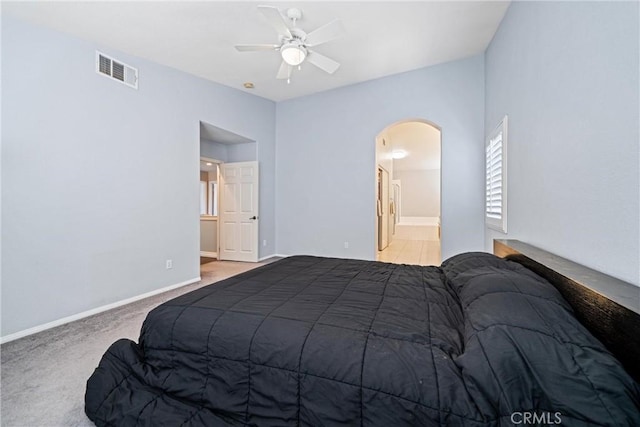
(243,152)
(100,181)
(214,150)
(325,178)
(567,75)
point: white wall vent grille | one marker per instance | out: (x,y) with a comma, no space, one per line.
(116,70)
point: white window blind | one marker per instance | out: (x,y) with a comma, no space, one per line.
(496,178)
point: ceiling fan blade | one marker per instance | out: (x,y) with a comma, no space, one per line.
(253,47)
(327,32)
(276,20)
(284,72)
(323,62)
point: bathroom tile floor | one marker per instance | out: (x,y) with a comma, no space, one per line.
(419,252)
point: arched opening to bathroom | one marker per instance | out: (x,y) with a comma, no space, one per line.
(408,193)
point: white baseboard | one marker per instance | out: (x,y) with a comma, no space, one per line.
(209,254)
(64,320)
(419,220)
(272,256)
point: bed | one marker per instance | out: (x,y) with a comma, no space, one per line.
(312,341)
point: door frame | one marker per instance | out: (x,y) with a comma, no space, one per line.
(380,136)
(383,206)
(217,253)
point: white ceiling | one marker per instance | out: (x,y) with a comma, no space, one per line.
(382,37)
(204,167)
(421,143)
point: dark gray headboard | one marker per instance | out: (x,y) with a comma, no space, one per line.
(608,307)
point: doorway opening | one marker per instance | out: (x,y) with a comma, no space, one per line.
(229,178)
(408,193)
(209,202)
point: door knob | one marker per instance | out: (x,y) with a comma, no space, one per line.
(254,217)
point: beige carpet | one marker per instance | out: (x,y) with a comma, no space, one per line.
(43,376)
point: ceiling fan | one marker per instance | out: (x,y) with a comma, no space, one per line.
(295,45)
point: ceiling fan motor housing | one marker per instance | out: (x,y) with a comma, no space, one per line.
(293,50)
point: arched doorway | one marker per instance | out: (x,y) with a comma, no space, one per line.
(408,193)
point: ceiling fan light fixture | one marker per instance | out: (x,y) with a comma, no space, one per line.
(293,54)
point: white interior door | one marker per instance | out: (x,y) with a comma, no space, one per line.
(238,211)
(396,187)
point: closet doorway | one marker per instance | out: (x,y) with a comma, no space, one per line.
(408,214)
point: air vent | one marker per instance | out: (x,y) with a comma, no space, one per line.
(116,70)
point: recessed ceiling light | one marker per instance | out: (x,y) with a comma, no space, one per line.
(209,163)
(399,154)
(248,85)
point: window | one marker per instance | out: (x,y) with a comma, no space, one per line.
(212,206)
(203,197)
(496,178)
(209,198)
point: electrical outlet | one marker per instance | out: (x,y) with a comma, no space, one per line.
(346,245)
(169,264)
